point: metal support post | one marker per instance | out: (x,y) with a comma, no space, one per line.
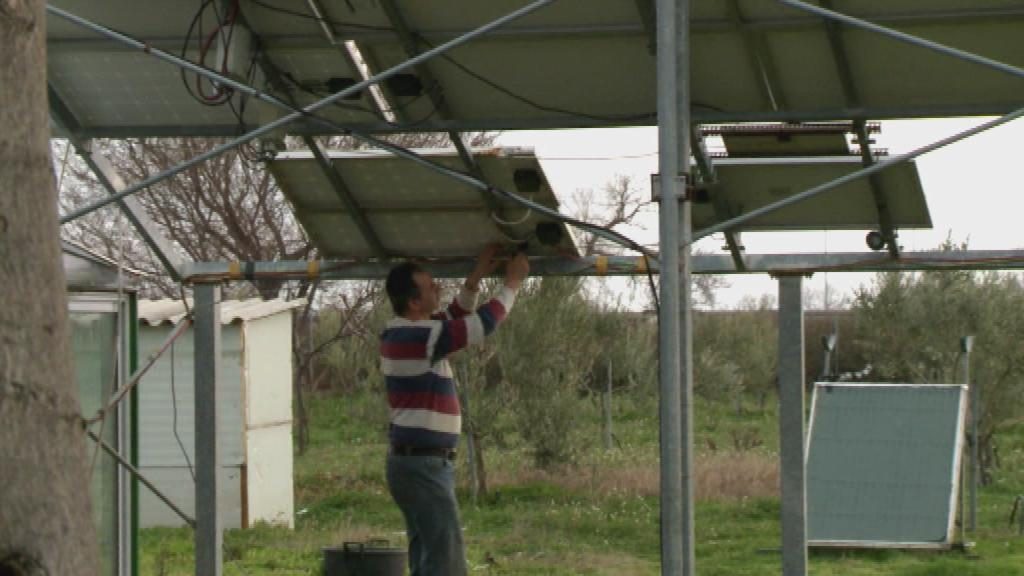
(966,346)
(674,371)
(209,530)
(791,426)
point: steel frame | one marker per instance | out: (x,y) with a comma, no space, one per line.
(673,28)
(852,97)
(435,92)
(112,182)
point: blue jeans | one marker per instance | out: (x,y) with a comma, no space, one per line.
(424,489)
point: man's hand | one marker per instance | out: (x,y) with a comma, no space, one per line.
(486,264)
(516,271)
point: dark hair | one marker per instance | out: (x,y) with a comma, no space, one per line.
(401,286)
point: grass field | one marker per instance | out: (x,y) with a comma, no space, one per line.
(599,516)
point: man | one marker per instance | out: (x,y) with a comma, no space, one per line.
(425,415)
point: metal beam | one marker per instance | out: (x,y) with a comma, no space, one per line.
(280,122)
(435,92)
(760,58)
(754,214)
(326,24)
(852,97)
(878,193)
(775,264)
(648,16)
(140,477)
(708,178)
(107,175)
(700,115)
(329,170)
(709,25)
(792,434)
(344,194)
(209,531)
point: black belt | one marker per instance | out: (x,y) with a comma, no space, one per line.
(401,450)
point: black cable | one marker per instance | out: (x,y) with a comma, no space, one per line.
(654,289)
(545,108)
(337,23)
(600,231)
(481,78)
(174,417)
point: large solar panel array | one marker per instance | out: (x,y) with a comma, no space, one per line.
(574,63)
(883,464)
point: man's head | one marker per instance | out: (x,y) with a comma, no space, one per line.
(412,291)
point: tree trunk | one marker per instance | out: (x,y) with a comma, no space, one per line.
(45,521)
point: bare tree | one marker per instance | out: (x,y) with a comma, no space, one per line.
(45,523)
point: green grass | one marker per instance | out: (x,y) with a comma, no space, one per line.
(562,523)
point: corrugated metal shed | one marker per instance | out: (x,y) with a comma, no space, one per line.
(254,412)
(168,311)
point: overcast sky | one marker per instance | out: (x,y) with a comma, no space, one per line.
(973,189)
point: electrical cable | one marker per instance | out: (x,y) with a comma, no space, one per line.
(480,77)
(337,23)
(464,177)
(174,419)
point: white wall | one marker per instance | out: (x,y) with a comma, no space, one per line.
(160,457)
(268,420)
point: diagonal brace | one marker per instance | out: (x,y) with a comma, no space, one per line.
(111,181)
(904,37)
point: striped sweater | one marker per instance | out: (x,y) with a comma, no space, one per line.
(414,360)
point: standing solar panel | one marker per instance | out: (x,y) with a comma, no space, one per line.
(883,465)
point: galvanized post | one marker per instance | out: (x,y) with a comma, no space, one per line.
(791,426)
(208,533)
(966,345)
(673,163)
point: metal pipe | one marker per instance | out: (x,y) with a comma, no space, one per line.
(776,264)
(209,533)
(904,37)
(138,475)
(305,112)
(673,186)
(791,426)
(753,214)
(682,132)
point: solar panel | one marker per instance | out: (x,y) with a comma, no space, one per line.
(573,63)
(417,212)
(883,464)
(750,183)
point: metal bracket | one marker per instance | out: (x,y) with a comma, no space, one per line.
(685,191)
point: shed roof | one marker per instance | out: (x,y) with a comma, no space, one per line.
(168,311)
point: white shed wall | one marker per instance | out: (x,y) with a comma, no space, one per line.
(160,457)
(268,415)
